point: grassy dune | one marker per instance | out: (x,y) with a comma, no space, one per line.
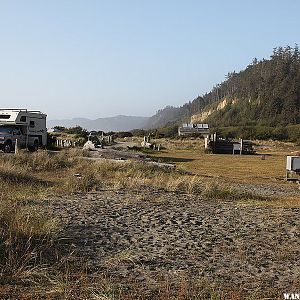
(29,245)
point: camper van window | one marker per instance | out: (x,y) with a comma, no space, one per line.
(6,130)
(4,117)
(31,124)
(23,119)
(17,132)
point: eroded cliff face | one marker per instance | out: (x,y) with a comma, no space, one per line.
(201,117)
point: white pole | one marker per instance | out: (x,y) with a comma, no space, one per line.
(241,150)
(16,146)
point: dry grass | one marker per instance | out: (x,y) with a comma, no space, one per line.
(72,285)
(233,167)
(125,256)
(42,175)
(43,160)
(99,175)
(190,156)
(26,235)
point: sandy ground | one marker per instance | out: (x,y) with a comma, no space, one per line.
(146,235)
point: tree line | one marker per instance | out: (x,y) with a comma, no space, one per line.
(265,96)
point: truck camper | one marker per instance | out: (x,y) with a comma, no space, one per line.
(26,126)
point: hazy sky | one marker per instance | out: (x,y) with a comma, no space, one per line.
(94,58)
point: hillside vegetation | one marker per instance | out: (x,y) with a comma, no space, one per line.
(261,101)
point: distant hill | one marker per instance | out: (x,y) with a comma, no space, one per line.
(117,123)
(171,115)
(265,94)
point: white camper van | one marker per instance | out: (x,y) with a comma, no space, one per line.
(28,127)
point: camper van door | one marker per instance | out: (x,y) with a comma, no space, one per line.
(18,135)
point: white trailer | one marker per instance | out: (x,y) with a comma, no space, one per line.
(26,126)
(188,129)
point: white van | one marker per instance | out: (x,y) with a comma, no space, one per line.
(28,127)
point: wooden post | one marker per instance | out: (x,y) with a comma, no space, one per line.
(205,143)
(241,150)
(16,146)
(214,142)
(215,137)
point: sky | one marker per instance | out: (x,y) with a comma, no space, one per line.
(101,58)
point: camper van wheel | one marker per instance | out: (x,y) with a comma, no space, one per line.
(7,147)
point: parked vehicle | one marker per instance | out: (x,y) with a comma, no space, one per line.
(28,127)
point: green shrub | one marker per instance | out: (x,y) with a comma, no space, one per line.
(293,132)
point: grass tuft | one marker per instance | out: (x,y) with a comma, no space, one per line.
(24,236)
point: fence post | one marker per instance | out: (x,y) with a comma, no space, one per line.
(241,150)
(16,146)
